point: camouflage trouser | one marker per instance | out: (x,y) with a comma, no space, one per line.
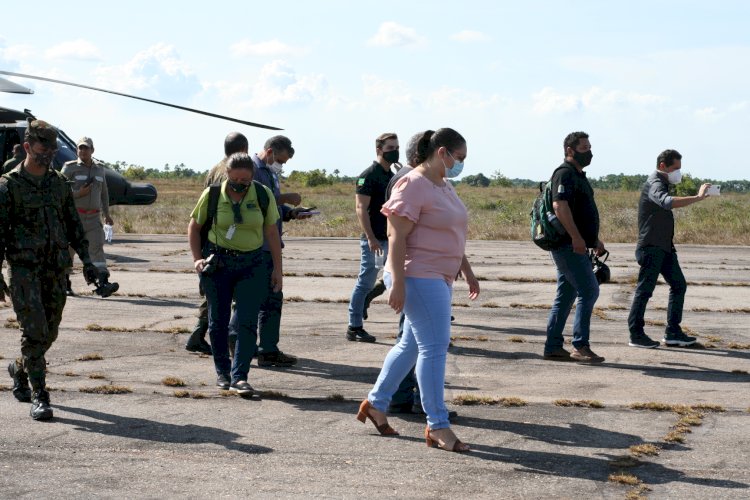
(38,296)
(92,224)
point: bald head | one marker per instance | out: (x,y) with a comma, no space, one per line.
(235,142)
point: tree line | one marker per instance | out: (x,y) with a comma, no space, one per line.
(320,177)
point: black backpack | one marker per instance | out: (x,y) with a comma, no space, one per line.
(213,203)
(546,229)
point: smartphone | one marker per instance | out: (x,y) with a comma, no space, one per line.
(88,182)
(713,191)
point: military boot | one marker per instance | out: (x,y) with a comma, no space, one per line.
(20,382)
(40,409)
(69,287)
(197,340)
(105,288)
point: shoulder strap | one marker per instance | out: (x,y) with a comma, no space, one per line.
(262,195)
(213,203)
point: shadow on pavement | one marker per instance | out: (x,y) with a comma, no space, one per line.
(149,430)
(697,373)
(313,368)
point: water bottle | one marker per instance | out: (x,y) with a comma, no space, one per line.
(379,260)
(108,232)
(555,223)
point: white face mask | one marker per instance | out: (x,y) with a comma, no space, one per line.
(276,167)
(675,176)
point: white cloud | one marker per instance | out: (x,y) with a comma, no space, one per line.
(453,98)
(270,48)
(387,92)
(392,34)
(279,84)
(158,70)
(17,53)
(81,50)
(468,36)
(595,99)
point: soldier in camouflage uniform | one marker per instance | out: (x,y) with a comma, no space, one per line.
(92,202)
(18,156)
(38,221)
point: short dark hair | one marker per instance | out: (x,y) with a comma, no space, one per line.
(430,141)
(279,144)
(380,140)
(240,160)
(668,156)
(235,142)
(572,139)
(411,150)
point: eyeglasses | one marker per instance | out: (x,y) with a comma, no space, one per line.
(83,147)
(237,213)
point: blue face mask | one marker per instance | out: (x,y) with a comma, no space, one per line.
(455,170)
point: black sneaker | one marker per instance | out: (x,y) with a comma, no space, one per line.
(242,388)
(355,333)
(376,291)
(643,341)
(40,409)
(222,382)
(418,410)
(559,354)
(678,339)
(277,358)
(20,383)
(104,290)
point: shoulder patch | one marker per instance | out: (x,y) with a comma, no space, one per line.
(361,181)
(560,189)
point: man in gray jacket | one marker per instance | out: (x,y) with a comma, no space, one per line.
(656,253)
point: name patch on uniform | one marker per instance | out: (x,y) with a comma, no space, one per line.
(361,181)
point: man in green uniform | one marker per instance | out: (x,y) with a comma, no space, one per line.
(18,156)
(92,202)
(38,221)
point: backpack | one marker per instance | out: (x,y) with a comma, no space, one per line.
(213,204)
(546,229)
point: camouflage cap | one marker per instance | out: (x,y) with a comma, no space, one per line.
(85,141)
(41,131)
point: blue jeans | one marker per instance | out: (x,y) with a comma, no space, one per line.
(655,261)
(368,273)
(408,390)
(425,341)
(575,278)
(245,279)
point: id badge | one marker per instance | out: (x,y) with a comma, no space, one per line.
(230,231)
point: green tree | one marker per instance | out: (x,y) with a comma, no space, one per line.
(688,186)
(499,179)
(478,180)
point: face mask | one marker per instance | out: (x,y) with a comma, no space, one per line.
(391,156)
(675,176)
(276,167)
(238,187)
(455,170)
(44,159)
(583,159)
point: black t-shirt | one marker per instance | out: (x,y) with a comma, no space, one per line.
(568,184)
(373,183)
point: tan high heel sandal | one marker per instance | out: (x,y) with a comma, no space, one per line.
(456,447)
(364,413)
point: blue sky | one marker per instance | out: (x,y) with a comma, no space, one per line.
(513,77)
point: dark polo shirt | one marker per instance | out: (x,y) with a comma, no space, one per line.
(373,183)
(655,218)
(572,186)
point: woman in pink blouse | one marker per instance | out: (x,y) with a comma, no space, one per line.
(427,225)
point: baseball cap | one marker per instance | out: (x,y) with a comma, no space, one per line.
(41,131)
(86,141)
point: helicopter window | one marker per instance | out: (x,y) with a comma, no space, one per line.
(64,153)
(9,137)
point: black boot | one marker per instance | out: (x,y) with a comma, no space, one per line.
(20,382)
(376,291)
(197,340)
(40,409)
(105,288)
(69,287)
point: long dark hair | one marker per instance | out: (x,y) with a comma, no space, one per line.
(433,140)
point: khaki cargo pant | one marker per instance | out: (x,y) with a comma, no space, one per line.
(92,225)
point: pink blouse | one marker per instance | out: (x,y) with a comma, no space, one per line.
(435,246)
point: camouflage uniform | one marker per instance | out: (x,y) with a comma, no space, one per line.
(12,163)
(38,220)
(90,207)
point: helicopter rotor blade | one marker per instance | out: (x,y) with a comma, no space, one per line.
(206,113)
(13,87)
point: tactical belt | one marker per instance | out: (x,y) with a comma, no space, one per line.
(212,248)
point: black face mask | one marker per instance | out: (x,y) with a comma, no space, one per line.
(238,187)
(583,159)
(391,156)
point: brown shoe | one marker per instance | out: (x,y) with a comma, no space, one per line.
(585,355)
(558,355)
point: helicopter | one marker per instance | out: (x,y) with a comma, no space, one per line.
(13,124)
